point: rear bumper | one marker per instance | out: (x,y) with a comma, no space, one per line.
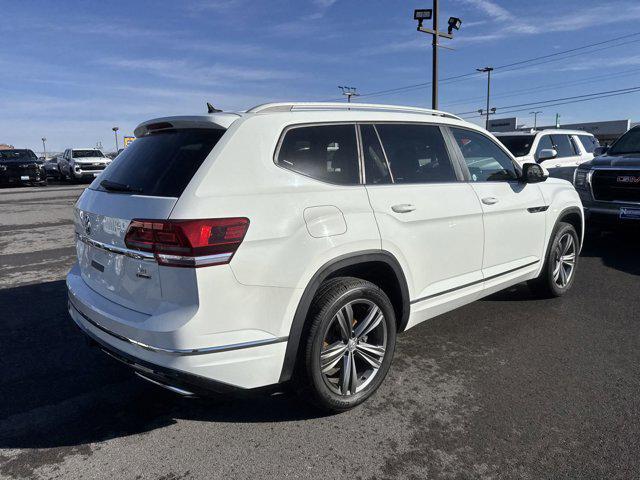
(243,364)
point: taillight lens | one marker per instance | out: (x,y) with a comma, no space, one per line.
(188,243)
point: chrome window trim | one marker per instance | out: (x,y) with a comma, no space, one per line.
(178,351)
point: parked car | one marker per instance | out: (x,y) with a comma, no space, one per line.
(609,185)
(559,151)
(21,167)
(82,164)
(292,242)
(51,168)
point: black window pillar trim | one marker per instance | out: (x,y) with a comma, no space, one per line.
(300,316)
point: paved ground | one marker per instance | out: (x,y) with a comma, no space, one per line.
(508,387)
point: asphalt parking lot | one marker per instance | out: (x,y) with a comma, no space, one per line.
(507,387)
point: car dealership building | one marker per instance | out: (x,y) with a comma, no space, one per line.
(605,132)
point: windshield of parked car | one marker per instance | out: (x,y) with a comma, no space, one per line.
(10,155)
(519,145)
(627,143)
(87,153)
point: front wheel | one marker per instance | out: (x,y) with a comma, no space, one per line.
(558,273)
(348,346)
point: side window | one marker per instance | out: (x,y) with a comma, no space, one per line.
(544,144)
(486,161)
(416,153)
(562,144)
(325,152)
(588,142)
(375,164)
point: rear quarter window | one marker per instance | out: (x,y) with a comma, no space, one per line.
(328,153)
(162,164)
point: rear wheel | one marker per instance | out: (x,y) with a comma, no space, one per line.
(561,261)
(349,344)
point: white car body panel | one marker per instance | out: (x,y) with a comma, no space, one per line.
(449,249)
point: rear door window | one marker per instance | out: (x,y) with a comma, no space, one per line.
(588,142)
(328,153)
(563,146)
(163,163)
(416,153)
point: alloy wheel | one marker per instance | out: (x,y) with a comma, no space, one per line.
(564,260)
(353,347)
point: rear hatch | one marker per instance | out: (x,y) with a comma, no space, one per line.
(144,182)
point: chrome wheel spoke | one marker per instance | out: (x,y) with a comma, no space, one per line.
(371,321)
(331,356)
(375,362)
(345,323)
(371,349)
(345,373)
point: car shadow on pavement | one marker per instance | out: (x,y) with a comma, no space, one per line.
(56,390)
(618,249)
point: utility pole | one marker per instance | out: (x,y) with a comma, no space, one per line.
(349,92)
(488,71)
(535,118)
(557,120)
(44,147)
(115,132)
(454,23)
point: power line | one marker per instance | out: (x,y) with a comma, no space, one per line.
(509,66)
(562,101)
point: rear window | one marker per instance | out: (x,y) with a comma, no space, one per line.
(328,153)
(163,163)
(588,142)
(518,145)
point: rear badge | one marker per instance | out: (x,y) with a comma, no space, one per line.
(142,272)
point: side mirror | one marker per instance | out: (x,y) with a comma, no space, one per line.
(600,151)
(533,173)
(547,154)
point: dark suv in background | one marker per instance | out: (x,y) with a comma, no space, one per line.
(21,167)
(609,185)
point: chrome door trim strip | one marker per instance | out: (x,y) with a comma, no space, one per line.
(138,255)
(180,351)
(428,297)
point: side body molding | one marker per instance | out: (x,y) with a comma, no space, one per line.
(326,271)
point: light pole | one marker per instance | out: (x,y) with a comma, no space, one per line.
(454,24)
(44,147)
(557,120)
(535,118)
(488,71)
(115,132)
(349,92)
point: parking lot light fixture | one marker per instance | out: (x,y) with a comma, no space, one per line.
(454,23)
(115,132)
(44,147)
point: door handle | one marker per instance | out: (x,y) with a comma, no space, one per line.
(489,200)
(403,208)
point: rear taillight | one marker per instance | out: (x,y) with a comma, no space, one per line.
(188,243)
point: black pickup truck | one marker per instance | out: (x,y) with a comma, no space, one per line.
(609,185)
(21,167)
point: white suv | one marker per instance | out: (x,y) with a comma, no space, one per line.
(558,150)
(293,241)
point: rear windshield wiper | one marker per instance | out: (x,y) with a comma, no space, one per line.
(119,187)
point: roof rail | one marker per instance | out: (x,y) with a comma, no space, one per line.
(310,106)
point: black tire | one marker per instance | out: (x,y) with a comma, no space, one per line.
(334,296)
(548,285)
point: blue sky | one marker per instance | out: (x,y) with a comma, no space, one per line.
(74,69)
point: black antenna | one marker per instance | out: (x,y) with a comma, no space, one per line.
(212,109)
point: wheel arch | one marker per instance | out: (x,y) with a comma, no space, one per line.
(377,266)
(573,216)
